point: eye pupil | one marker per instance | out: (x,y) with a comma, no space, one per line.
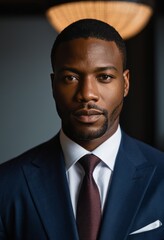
(104,77)
(70,78)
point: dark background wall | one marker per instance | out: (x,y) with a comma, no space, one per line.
(27,111)
(159,82)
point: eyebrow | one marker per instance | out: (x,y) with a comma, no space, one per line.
(97,69)
(68,69)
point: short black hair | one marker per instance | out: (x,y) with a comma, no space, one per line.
(90,28)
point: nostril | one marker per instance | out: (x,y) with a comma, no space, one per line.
(87,97)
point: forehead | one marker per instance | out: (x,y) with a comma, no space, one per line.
(88,49)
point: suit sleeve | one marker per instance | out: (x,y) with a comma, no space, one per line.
(2,231)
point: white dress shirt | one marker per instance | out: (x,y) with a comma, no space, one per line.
(107,152)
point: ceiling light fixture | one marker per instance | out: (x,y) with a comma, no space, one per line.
(128,17)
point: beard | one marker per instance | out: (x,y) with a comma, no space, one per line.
(89,134)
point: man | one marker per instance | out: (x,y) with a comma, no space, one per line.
(40,190)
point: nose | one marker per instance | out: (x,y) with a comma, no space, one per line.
(87,90)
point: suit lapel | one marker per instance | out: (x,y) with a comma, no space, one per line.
(131,178)
(46,179)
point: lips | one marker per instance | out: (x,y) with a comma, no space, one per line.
(87,115)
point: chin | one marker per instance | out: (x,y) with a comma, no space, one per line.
(89,133)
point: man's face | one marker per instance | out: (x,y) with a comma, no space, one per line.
(88,87)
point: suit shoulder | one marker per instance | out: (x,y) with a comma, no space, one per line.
(150,152)
(39,150)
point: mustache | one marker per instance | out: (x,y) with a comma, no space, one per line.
(89,108)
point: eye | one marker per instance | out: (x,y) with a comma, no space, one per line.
(105,78)
(70,78)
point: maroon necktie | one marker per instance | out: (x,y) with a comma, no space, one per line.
(89,205)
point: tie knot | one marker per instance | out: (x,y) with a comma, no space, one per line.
(89,162)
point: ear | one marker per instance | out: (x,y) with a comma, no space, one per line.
(126,76)
(52,82)
(52,78)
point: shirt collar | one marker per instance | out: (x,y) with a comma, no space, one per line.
(107,151)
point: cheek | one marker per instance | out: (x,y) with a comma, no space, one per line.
(63,91)
(63,100)
(113,96)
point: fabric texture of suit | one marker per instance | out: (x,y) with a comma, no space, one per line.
(35,203)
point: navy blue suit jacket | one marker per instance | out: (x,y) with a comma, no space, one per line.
(35,202)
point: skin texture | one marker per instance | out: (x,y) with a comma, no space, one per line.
(89,86)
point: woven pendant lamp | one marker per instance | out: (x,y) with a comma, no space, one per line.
(128,17)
